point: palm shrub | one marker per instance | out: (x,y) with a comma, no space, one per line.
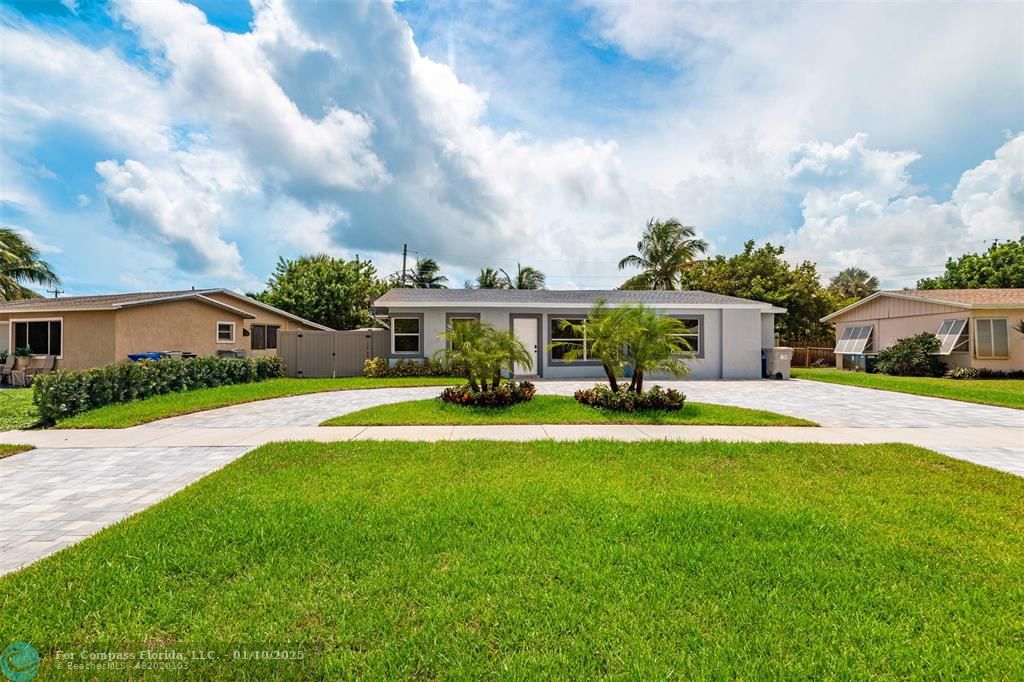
(631,335)
(609,332)
(656,347)
(484,352)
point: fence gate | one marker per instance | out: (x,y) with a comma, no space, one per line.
(318,354)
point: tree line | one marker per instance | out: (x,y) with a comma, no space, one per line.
(337,292)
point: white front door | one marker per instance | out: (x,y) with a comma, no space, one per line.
(525,329)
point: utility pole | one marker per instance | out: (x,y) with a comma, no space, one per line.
(405,254)
(56,291)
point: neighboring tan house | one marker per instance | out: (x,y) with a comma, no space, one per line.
(974,326)
(91,331)
(727,334)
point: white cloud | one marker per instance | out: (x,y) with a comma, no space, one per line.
(860,208)
(164,204)
(325,128)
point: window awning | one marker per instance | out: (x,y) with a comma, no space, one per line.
(949,335)
(854,339)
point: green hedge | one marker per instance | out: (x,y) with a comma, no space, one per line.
(379,368)
(66,393)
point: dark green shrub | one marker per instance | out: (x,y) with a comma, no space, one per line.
(507,393)
(66,393)
(378,368)
(657,398)
(914,356)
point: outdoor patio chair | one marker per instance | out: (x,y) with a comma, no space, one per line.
(44,367)
(7,368)
(37,365)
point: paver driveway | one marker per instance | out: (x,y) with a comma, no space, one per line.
(53,497)
(826,404)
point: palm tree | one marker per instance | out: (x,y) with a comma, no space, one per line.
(632,335)
(608,331)
(853,283)
(484,351)
(425,274)
(489,278)
(20,263)
(666,249)
(526,278)
(656,347)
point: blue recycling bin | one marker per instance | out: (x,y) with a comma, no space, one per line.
(138,357)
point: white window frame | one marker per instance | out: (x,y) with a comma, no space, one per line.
(962,343)
(230,324)
(991,321)
(10,336)
(556,339)
(418,334)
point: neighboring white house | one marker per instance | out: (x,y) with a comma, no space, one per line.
(726,333)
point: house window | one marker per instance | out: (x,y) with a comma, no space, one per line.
(42,337)
(405,335)
(225,332)
(953,337)
(264,336)
(455,321)
(991,338)
(568,338)
(855,340)
(690,334)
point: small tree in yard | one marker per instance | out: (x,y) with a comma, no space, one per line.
(608,333)
(485,352)
(631,335)
(913,357)
(655,347)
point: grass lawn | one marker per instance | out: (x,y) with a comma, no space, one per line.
(17,411)
(557,560)
(8,450)
(159,407)
(554,409)
(1001,392)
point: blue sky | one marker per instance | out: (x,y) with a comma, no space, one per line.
(160,145)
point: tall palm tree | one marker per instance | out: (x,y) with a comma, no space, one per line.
(853,283)
(526,278)
(20,263)
(489,278)
(666,248)
(425,274)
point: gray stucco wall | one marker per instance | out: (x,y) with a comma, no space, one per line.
(732,338)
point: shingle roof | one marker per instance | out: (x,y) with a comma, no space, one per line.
(549,297)
(969,296)
(114,301)
(100,301)
(963,298)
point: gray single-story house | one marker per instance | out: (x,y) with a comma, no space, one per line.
(726,333)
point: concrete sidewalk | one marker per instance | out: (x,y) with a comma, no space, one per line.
(973,442)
